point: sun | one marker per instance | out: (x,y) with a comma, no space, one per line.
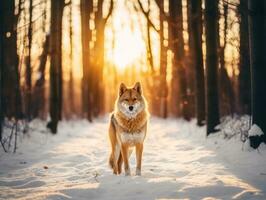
(125,45)
(128,49)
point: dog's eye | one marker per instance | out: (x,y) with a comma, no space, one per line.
(126,100)
(135,99)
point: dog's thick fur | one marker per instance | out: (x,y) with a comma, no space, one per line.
(128,127)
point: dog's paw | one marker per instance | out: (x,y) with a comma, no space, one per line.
(138,172)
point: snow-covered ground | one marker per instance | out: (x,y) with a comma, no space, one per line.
(179,163)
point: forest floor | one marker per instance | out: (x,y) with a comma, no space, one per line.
(179,163)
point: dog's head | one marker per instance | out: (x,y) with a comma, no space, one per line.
(130,100)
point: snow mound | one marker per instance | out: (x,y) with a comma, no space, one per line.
(236,126)
(255,131)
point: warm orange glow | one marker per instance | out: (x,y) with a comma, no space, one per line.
(125,45)
(127,50)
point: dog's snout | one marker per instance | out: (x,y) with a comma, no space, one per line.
(130,108)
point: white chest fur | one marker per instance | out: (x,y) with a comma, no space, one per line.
(132,138)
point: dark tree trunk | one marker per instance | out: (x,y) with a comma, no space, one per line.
(71,78)
(86,7)
(11,88)
(190,63)
(163,65)
(179,84)
(227,96)
(244,64)
(39,90)
(28,111)
(211,23)
(257,39)
(1,66)
(196,29)
(57,8)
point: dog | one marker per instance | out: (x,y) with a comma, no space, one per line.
(127,128)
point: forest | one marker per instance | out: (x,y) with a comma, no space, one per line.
(198,61)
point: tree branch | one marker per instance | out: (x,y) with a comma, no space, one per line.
(146,14)
(110,11)
(166,17)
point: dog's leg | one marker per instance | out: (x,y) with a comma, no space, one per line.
(119,163)
(139,150)
(113,141)
(124,151)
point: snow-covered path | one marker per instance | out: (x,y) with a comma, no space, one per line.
(178,163)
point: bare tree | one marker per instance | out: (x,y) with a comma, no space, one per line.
(196,30)
(86,8)
(227,95)
(1,67)
(11,100)
(244,61)
(163,65)
(100,22)
(39,90)
(257,41)
(179,83)
(211,23)
(57,8)
(28,65)
(71,78)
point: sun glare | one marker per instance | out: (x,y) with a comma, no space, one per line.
(125,46)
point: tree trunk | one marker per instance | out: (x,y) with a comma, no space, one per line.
(57,8)
(86,7)
(71,78)
(28,65)
(257,41)
(190,63)
(244,62)
(100,23)
(1,66)
(163,65)
(196,29)
(11,84)
(211,23)
(227,95)
(39,90)
(179,84)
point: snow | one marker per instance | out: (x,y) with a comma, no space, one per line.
(255,130)
(179,162)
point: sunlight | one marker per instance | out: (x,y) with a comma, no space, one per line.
(127,50)
(125,45)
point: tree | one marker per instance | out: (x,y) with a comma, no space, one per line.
(156,101)
(86,8)
(179,84)
(11,94)
(163,65)
(190,63)
(244,61)
(257,41)
(211,23)
(1,67)
(100,22)
(226,92)
(28,65)
(71,78)
(196,30)
(57,8)
(39,90)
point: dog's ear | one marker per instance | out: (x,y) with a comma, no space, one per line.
(137,87)
(122,89)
